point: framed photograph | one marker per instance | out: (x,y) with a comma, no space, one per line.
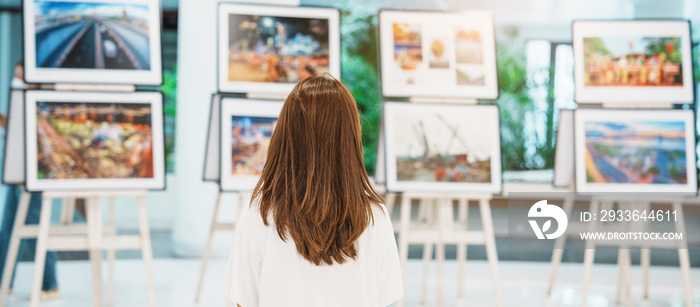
(92,41)
(246,130)
(268,49)
(85,141)
(212,151)
(643,61)
(450,53)
(442,148)
(13,163)
(564,150)
(635,151)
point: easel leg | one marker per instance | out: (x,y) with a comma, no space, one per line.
(683,257)
(620,277)
(40,255)
(67,207)
(111,254)
(461,260)
(558,251)
(427,257)
(146,251)
(95,234)
(207,248)
(404,237)
(390,200)
(15,240)
(645,262)
(625,267)
(491,252)
(463,218)
(445,220)
(589,256)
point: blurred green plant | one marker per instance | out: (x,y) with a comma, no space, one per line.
(515,104)
(169,90)
(359,70)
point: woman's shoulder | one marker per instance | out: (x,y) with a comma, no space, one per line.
(381,217)
(250,222)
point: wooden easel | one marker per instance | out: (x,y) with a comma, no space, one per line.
(624,263)
(243,199)
(93,237)
(448,232)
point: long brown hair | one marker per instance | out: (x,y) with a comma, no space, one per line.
(314,181)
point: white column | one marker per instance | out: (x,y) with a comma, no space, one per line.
(196,64)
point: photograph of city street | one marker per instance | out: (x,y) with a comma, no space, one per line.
(250,138)
(94,140)
(642,152)
(442,146)
(277,49)
(632,61)
(92,35)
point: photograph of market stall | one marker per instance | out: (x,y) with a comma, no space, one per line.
(94,140)
(633,61)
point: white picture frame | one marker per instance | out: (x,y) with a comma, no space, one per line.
(438,74)
(155,102)
(564,150)
(241,107)
(589,122)
(13,161)
(625,37)
(332,16)
(212,151)
(443,127)
(128,48)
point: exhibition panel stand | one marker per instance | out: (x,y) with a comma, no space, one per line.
(95,236)
(441,63)
(89,82)
(436,224)
(630,95)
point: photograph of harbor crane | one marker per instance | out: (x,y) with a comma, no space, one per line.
(631,151)
(94,140)
(443,145)
(92,35)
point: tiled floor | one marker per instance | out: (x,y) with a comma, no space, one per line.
(522,283)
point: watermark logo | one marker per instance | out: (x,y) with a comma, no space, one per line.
(542,209)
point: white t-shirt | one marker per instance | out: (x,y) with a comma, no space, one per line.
(265,271)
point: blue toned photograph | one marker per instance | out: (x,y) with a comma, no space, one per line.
(250,140)
(92,35)
(649,152)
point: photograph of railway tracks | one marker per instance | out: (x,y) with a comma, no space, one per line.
(92,35)
(94,140)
